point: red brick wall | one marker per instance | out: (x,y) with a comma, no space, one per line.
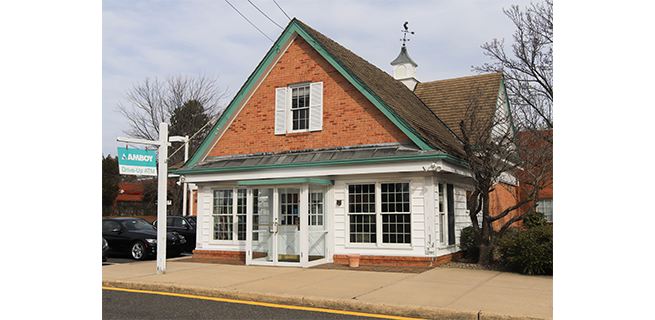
(348,117)
(503,197)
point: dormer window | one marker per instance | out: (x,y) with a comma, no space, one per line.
(299,108)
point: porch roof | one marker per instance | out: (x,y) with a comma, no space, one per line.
(317,157)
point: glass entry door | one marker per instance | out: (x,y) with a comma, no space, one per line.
(288,233)
(317,226)
(264,226)
(287,226)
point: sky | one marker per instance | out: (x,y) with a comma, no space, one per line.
(156,39)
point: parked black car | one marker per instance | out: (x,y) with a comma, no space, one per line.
(138,238)
(184,226)
(105,250)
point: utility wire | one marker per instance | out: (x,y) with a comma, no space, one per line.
(194,135)
(282,10)
(265,15)
(249,21)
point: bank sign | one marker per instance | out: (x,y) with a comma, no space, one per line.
(137,162)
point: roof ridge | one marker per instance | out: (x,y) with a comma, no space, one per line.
(463,77)
(395,95)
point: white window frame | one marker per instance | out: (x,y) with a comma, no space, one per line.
(234,214)
(540,208)
(442,212)
(378,214)
(284,114)
(306,95)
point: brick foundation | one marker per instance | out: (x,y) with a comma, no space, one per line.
(224,255)
(343,259)
(400,260)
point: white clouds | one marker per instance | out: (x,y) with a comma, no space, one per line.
(159,38)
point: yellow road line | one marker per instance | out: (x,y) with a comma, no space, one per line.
(264,304)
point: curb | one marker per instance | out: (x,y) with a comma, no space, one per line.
(315,302)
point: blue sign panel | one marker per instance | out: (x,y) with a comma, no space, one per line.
(137,162)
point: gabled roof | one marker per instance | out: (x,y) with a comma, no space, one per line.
(448,99)
(392,94)
(418,119)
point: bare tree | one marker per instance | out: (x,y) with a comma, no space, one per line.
(529,73)
(498,159)
(152,102)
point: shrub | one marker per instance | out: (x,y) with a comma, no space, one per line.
(468,245)
(528,251)
(535,219)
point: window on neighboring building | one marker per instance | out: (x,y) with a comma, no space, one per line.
(545,206)
(392,213)
(229,221)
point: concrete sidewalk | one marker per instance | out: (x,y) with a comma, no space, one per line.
(440,293)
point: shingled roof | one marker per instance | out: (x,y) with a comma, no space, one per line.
(448,99)
(429,116)
(394,94)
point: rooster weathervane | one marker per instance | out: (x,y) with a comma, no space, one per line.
(405,32)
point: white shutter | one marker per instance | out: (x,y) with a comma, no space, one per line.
(316,106)
(280,110)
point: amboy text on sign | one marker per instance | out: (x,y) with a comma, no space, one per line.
(137,162)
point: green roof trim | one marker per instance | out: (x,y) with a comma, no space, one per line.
(295,27)
(266,182)
(432,156)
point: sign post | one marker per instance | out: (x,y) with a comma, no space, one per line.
(162,183)
(161,190)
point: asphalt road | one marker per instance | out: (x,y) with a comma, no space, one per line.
(132,305)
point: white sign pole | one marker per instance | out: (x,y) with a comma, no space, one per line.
(161,198)
(161,191)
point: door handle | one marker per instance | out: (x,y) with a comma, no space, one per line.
(272,227)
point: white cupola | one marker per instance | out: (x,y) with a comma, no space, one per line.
(404,69)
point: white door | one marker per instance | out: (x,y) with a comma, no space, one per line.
(274,227)
(287,226)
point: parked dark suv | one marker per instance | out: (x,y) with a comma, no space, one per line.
(184,226)
(138,238)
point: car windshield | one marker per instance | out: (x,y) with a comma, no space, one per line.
(137,225)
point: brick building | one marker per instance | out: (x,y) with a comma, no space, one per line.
(321,155)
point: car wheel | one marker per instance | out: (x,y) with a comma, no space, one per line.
(139,251)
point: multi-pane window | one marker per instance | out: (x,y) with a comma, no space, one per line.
(396,225)
(300,108)
(222,214)
(241,214)
(229,221)
(289,207)
(545,206)
(392,214)
(316,209)
(361,206)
